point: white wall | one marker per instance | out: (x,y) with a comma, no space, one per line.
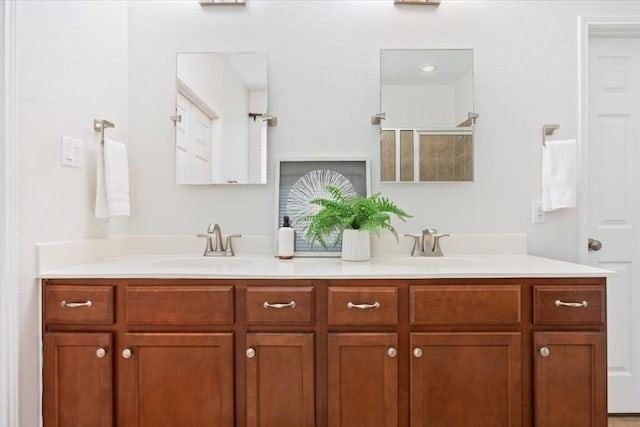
(464,98)
(418,106)
(71,68)
(257,103)
(216,82)
(324,86)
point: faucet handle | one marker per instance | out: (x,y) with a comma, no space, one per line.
(437,251)
(209,247)
(417,245)
(229,246)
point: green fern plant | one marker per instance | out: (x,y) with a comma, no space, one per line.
(340,213)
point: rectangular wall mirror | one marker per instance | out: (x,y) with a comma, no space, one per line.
(427,98)
(221,118)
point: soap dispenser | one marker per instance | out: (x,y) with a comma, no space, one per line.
(286,239)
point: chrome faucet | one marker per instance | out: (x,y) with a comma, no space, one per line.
(427,243)
(214,245)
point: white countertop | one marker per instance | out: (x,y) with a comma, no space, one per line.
(269,267)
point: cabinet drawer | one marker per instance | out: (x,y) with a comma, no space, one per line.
(465,305)
(363,306)
(78,304)
(290,305)
(572,305)
(179,305)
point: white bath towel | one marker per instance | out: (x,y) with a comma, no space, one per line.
(112,183)
(559,174)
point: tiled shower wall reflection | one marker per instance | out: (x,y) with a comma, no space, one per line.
(446,158)
(441,157)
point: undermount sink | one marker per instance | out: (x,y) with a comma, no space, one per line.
(202,262)
(440,262)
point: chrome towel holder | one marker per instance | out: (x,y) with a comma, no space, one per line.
(100,126)
(546,131)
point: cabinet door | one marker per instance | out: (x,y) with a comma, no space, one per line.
(77,382)
(178,380)
(280,380)
(466,379)
(363,380)
(570,379)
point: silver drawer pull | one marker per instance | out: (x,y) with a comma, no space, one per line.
(65,304)
(363,306)
(582,304)
(291,304)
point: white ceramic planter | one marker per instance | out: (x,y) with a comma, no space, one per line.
(356,245)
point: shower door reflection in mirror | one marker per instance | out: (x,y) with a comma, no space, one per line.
(221,106)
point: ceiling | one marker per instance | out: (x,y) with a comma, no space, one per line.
(404,66)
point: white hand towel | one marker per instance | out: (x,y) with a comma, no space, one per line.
(559,174)
(112,184)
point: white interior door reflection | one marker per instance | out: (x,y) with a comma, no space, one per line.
(193,143)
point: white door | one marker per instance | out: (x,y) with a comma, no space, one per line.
(614,204)
(193,144)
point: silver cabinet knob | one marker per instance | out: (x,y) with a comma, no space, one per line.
(126,353)
(594,245)
(392,352)
(101,352)
(417,352)
(251,353)
(544,352)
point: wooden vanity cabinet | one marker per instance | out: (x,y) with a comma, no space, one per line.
(363,366)
(570,366)
(176,379)
(471,373)
(407,353)
(279,355)
(77,379)
(138,353)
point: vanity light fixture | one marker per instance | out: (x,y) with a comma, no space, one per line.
(427,2)
(222,2)
(429,68)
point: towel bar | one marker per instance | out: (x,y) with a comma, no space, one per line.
(100,126)
(546,131)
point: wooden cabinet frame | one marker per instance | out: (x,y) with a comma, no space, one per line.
(314,322)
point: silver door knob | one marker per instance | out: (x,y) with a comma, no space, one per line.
(544,352)
(251,353)
(101,352)
(126,353)
(594,245)
(392,352)
(417,352)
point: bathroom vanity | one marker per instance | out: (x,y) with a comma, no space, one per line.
(498,341)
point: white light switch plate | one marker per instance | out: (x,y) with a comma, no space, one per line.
(72,152)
